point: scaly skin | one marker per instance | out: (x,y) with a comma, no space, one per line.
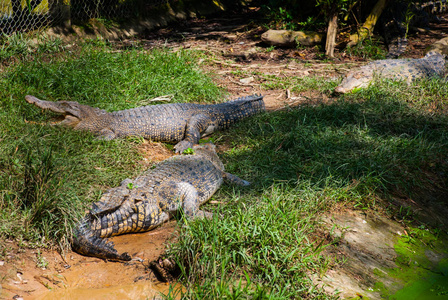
(181,123)
(144,203)
(400,16)
(409,70)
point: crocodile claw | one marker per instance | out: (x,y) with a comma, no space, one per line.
(182,146)
(125,256)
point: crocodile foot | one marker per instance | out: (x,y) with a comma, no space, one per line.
(182,146)
(165,270)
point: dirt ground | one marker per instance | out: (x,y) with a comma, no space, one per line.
(232,43)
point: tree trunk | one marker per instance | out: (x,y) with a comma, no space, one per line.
(331,35)
(368,26)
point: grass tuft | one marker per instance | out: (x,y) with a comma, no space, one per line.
(256,246)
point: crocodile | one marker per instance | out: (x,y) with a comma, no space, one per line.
(182,182)
(181,123)
(409,70)
(401,16)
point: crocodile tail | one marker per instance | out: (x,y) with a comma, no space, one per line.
(255,100)
(85,242)
(244,106)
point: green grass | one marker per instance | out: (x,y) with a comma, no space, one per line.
(360,151)
(25,44)
(112,81)
(50,175)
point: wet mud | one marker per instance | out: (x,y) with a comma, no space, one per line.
(32,274)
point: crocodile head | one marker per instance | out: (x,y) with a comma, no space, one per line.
(354,80)
(74,112)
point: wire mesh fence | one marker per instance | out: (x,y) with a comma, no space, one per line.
(26,15)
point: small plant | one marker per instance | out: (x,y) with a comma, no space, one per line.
(188,151)
(41,262)
(269,49)
(15,44)
(369,48)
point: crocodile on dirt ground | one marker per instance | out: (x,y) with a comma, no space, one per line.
(400,17)
(409,70)
(180,182)
(181,123)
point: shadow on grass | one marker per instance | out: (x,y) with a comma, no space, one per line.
(380,146)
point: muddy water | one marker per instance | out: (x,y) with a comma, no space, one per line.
(77,277)
(146,290)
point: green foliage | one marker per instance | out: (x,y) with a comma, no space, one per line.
(261,248)
(188,151)
(98,77)
(338,5)
(292,14)
(368,48)
(303,15)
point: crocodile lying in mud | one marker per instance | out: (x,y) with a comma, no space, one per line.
(409,70)
(181,123)
(180,182)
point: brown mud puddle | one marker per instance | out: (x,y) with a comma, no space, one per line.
(35,274)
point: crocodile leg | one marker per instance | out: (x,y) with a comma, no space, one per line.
(196,126)
(106,134)
(190,201)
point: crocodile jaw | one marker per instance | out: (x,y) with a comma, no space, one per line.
(353,81)
(70,121)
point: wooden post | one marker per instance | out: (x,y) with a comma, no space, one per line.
(331,35)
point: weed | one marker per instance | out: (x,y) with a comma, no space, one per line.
(188,151)
(41,262)
(269,49)
(369,48)
(21,45)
